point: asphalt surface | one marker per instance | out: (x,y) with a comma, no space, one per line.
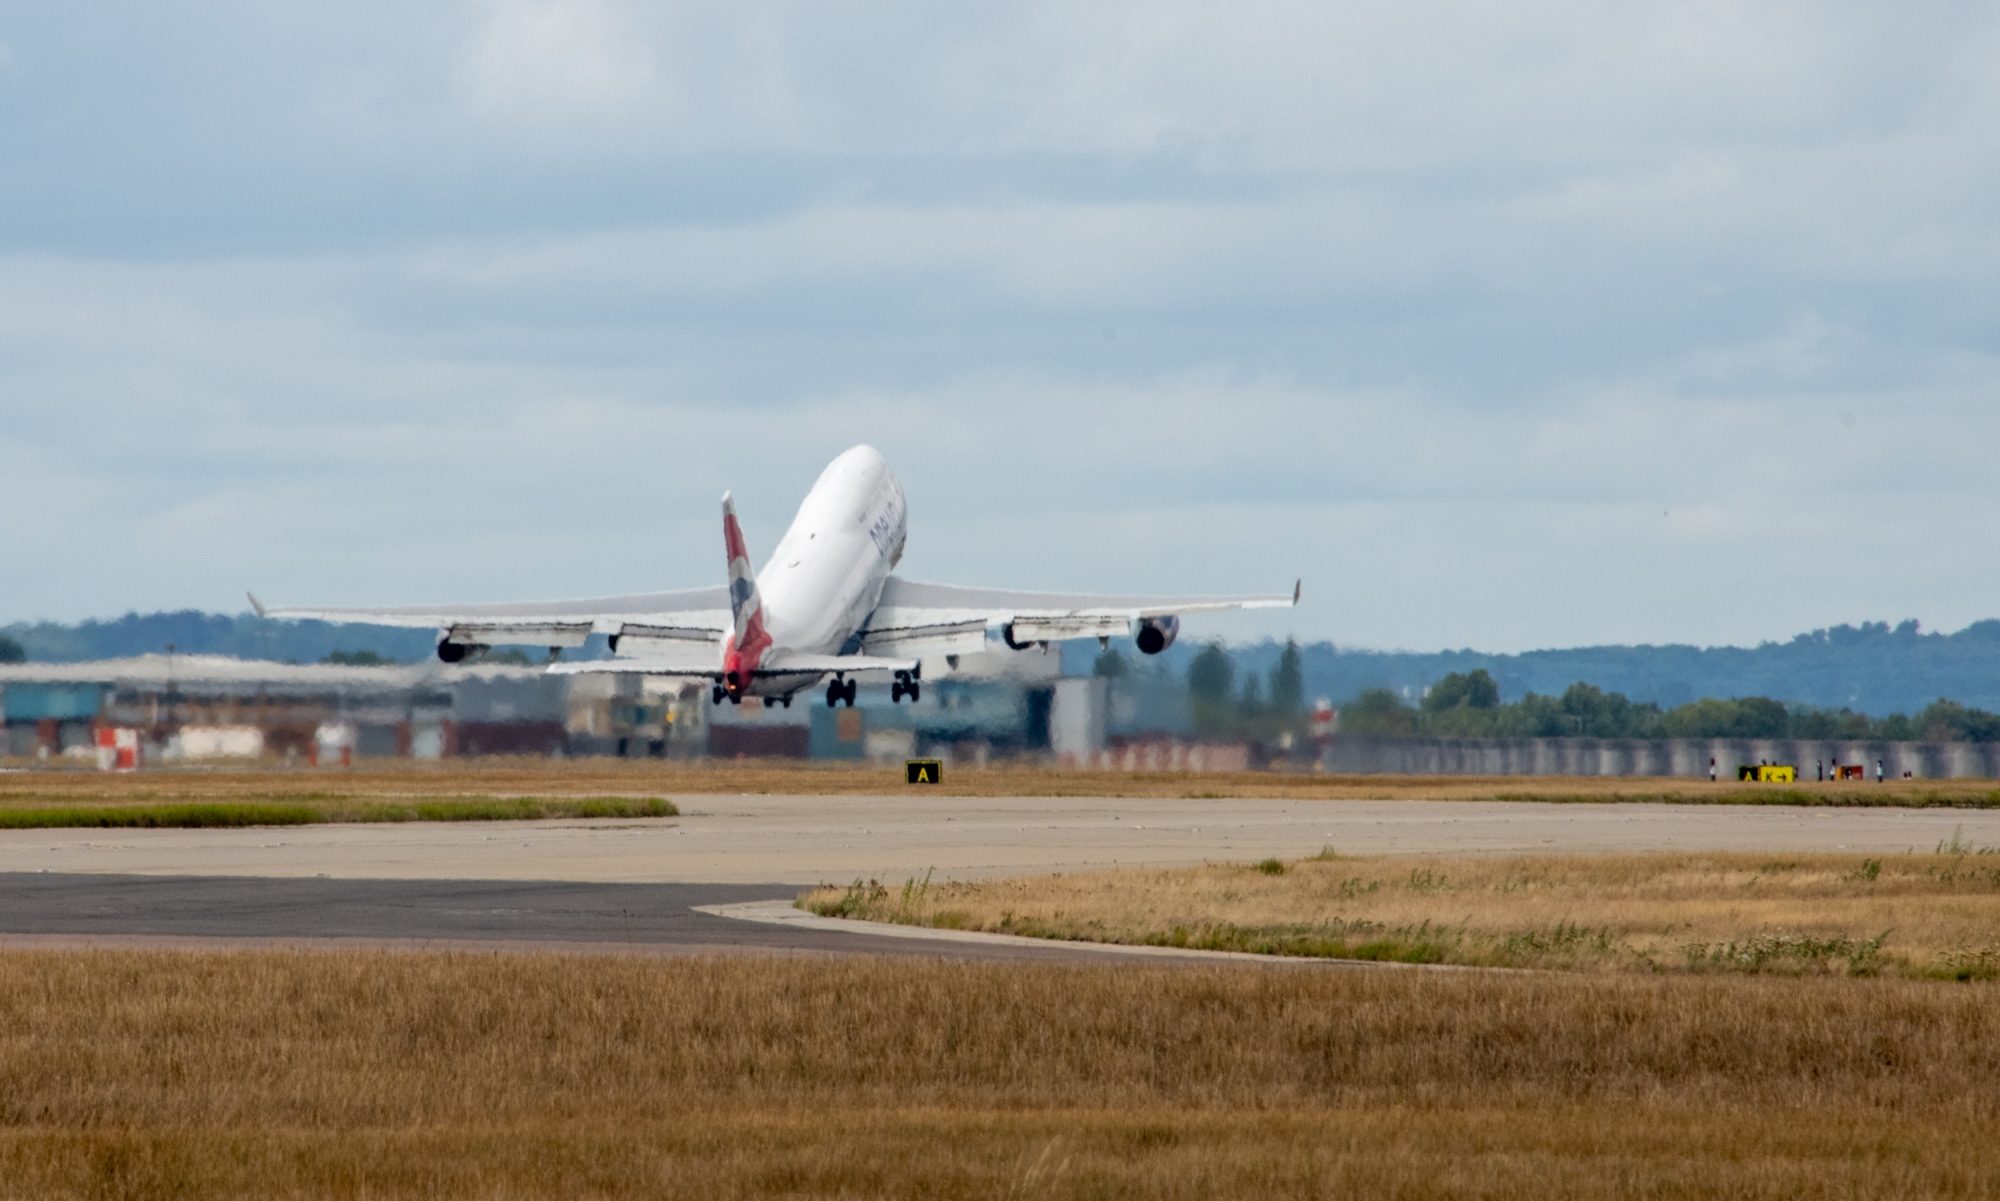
(631,885)
(44,909)
(806,840)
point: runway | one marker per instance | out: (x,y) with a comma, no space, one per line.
(806,840)
(633,886)
(51,911)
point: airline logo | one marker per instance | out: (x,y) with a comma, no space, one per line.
(883,531)
(746,647)
(742,581)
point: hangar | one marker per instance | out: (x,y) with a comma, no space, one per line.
(194,706)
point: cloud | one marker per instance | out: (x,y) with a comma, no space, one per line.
(547,65)
(1504,327)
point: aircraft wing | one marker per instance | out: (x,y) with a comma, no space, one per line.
(696,615)
(915,618)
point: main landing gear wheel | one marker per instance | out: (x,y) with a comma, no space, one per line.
(841,690)
(906,685)
(716,694)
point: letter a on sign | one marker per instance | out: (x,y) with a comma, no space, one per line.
(923,771)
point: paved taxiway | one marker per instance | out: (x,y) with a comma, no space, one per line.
(802,840)
(633,886)
(41,910)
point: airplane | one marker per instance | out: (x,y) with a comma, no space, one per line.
(826,604)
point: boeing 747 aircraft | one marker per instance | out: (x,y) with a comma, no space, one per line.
(825,605)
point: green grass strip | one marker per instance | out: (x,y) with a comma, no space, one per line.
(186,817)
(500,809)
(237,813)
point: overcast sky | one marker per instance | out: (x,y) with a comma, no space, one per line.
(1505,326)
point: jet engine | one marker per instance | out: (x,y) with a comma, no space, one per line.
(1158,633)
(458,652)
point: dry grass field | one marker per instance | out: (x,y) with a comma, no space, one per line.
(400,781)
(345,1074)
(1932,915)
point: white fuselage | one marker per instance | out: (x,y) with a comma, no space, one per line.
(826,575)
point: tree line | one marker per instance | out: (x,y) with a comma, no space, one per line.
(1468,705)
(1226,701)
(1872,667)
(1223,703)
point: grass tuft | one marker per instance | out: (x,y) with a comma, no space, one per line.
(1674,913)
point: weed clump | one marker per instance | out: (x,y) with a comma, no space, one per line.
(1790,954)
(1967,964)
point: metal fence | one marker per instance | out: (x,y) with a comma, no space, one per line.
(1689,757)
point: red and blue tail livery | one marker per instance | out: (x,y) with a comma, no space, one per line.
(748,640)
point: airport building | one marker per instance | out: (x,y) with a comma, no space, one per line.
(194,707)
(214,706)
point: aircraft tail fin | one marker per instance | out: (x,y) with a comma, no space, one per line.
(745,604)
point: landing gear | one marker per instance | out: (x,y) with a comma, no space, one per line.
(716,694)
(842,690)
(908,683)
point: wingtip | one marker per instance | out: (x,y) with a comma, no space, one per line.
(1297,585)
(256,605)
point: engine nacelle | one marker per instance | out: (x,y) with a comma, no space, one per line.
(458,652)
(1158,633)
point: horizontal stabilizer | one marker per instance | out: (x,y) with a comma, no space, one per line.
(788,665)
(635,667)
(785,664)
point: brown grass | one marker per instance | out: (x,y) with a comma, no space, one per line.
(398,780)
(1911,915)
(350,1074)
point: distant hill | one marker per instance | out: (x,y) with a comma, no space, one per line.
(191,632)
(1872,668)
